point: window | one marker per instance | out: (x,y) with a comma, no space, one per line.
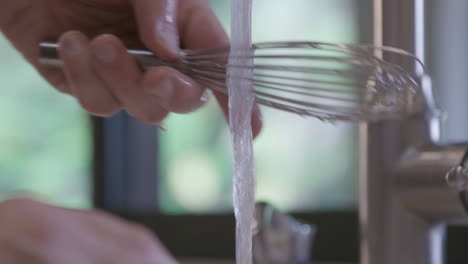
(302,164)
(45,139)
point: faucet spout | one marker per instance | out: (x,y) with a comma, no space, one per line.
(405,200)
(279,238)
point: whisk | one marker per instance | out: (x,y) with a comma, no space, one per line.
(324,80)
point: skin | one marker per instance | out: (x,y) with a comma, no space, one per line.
(93,35)
(36,233)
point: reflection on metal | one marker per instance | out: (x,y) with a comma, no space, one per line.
(405,199)
(457,178)
(279,238)
(433,114)
(446,46)
(419,33)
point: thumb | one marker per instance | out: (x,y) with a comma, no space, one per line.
(157,25)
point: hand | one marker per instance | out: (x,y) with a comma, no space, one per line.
(93,35)
(35,233)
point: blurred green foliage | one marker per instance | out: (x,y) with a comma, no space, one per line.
(44,137)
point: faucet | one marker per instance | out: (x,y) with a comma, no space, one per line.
(278,238)
(411,186)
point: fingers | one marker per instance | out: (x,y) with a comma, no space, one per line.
(200,29)
(121,74)
(13,23)
(105,78)
(148,96)
(130,242)
(157,23)
(257,121)
(173,90)
(56,78)
(83,82)
(33,232)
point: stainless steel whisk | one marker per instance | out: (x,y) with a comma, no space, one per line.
(323,80)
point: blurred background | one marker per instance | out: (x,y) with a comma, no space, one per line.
(301,164)
(45,140)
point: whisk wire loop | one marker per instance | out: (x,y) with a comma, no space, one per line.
(324,80)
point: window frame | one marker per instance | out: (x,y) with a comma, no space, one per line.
(124,146)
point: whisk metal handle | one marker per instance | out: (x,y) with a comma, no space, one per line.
(49,57)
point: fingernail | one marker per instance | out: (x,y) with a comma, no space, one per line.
(206,96)
(260,115)
(163,92)
(170,38)
(104,52)
(257,121)
(71,45)
(202,101)
(162,126)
